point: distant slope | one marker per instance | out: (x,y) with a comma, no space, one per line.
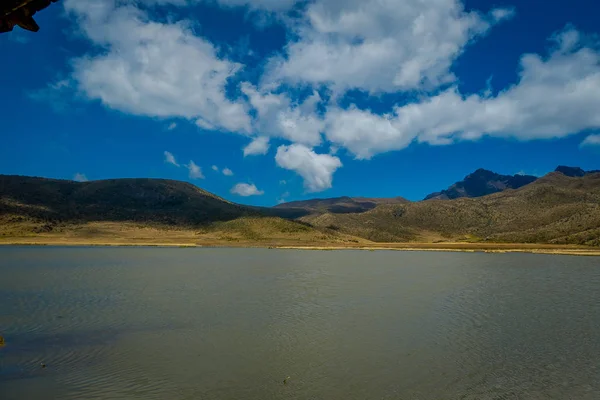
(339,205)
(554,209)
(574,172)
(137,200)
(146,210)
(481,183)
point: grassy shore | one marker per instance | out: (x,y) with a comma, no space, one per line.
(307,245)
(258,233)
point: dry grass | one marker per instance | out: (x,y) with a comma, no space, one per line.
(556,209)
(134,237)
(245,231)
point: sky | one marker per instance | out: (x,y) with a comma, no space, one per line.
(266,101)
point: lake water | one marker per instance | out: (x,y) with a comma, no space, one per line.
(154,323)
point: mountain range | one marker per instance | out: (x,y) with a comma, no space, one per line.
(481,183)
(562,207)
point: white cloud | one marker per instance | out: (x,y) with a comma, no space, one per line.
(170,158)
(172,126)
(555,96)
(380,46)
(500,14)
(591,140)
(537,174)
(278,116)
(227,172)
(260,145)
(165,70)
(215,168)
(56,94)
(283,197)
(246,189)
(316,169)
(153,69)
(79,177)
(195,172)
(283,182)
(365,133)
(269,5)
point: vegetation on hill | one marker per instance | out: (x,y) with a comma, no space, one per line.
(338,205)
(574,172)
(138,208)
(483,182)
(556,209)
(553,209)
(157,201)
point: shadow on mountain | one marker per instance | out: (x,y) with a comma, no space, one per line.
(153,201)
(337,205)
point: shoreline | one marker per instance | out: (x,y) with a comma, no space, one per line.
(497,248)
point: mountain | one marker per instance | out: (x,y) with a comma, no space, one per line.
(140,209)
(554,209)
(339,205)
(481,183)
(136,200)
(574,172)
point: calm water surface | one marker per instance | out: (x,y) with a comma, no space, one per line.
(151,323)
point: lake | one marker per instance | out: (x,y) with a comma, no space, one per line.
(157,323)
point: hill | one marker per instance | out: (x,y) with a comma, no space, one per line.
(481,183)
(574,172)
(338,205)
(556,208)
(139,209)
(553,209)
(157,201)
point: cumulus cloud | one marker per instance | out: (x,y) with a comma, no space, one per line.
(246,189)
(278,116)
(381,46)
(215,168)
(172,126)
(365,133)
(555,96)
(195,172)
(152,68)
(79,177)
(269,5)
(258,146)
(316,169)
(170,159)
(591,140)
(227,172)
(164,69)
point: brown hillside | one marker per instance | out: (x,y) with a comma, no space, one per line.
(140,210)
(338,205)
(554,209)
(137,200)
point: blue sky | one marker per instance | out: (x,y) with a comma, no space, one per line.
(302,99)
